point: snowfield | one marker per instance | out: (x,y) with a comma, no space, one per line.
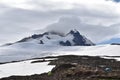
(24,68)
(24,51)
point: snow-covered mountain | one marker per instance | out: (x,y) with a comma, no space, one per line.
(51,43)
(73,38)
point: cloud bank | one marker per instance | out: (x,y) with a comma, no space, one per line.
(98,20)
(96,33)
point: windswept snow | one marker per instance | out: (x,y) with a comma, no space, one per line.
(24,68)
(24,51)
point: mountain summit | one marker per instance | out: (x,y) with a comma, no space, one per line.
(73,38)
(80,40)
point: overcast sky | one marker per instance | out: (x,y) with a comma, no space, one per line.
(98,20)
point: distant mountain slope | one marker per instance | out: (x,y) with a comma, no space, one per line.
(111,41)
(73,38)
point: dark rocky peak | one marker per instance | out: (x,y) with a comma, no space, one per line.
(79,39)
(35,36)
(66,43)
(115,43)
(74,31)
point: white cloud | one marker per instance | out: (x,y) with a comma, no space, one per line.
(96,33)
(28,15)
(16,3)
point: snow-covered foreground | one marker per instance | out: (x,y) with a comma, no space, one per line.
(24,68)
(27,51)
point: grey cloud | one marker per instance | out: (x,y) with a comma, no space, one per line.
(94,32)
(78,9)
(17,22)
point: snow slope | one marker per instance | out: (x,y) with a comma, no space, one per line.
(24,68)
(24,51)
(100,50)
